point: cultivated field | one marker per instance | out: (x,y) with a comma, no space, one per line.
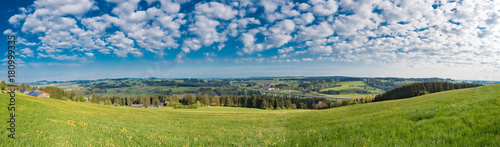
(466,117)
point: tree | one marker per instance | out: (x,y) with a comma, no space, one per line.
(72,95)
(206,99)
(81,99)
(2,85)
(265,104)
(93,98)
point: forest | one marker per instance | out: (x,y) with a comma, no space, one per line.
(421,88)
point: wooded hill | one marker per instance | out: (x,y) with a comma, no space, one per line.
(421,88)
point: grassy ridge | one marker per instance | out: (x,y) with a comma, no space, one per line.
(466,117)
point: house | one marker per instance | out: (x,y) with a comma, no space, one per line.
(25,91)
(271,90)
(160,105)
(137,106)
(39,94)
(150,106)
(213,104)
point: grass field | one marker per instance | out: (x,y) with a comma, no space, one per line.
(466,117)
(346,85)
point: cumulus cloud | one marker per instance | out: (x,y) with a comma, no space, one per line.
(27,52)
(8,32)
(323,8)
(280,33)
(123,45)
(285,50)
(72,7)
(215,10)
(378,31)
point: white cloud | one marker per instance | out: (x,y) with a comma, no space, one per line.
(320,50)
(303,6)
(285,50)
(191,44)
(323,8)
(304,19)
(215,10)
(206,30)
(72,7)
(249,44)
(319,31)
(27,51)
(8,32)
(307,59)
(280,33)
(269,6)
(122,45)
(90,54)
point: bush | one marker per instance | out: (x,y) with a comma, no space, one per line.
(423,92)
(175,105)
(338,103)
(116,104)
(369,98)
(107,102)
(345,102)
(64,98)
(81,99)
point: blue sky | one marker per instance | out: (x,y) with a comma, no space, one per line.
(94,39)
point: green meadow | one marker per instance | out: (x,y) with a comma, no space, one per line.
(465,117)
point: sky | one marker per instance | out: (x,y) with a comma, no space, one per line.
(60,40)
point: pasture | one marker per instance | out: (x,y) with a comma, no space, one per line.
(465,117)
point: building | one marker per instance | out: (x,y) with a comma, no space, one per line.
(137,106)
(23,90)
(39,94)
(150,106)
(160,105)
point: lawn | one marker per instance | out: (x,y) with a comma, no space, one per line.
(465,117)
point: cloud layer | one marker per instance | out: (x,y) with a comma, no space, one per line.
(405,32)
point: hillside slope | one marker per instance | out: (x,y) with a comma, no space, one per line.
(463,117)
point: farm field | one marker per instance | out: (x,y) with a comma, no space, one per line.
(465,117)
(353,85)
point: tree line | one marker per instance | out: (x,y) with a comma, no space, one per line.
(253,101)
(421,88)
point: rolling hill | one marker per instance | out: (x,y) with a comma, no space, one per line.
(465,117)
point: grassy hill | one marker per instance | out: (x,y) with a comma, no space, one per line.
(465,117)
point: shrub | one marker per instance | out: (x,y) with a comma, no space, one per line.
(107,102)
(345,102)
(338,103)
(369,98)
(116,104)
(81,99)
(423,92)
(64,98)
(175,105)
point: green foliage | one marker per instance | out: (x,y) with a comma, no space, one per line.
(65,99)
(423,92)
(81,99)
(344,102)
(421,88)
(55,92)
(2,85)
(107,102)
